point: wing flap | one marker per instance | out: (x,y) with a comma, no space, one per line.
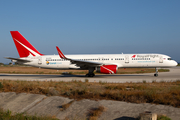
(81,62)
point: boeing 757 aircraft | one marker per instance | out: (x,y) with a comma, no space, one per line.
(103,63)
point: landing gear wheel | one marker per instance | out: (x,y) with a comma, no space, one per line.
(155,75)
(90,75)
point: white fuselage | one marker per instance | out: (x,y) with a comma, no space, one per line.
(121,60)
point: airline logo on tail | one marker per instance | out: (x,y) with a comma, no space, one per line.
(31,52)
(25,49)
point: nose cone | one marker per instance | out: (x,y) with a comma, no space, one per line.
(175,63)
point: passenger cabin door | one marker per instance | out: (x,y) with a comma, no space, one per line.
(127,59)
(161,59)
(40,60)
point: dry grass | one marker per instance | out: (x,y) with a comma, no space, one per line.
(33,70)
(94,113)
(167,93)
(66,106)
(7,115)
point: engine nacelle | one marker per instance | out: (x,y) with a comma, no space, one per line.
(107,69)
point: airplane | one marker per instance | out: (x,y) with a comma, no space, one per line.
(102,63)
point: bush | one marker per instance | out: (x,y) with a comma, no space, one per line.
(86,80)
(94,113)
(1,85)
(162,117)
(1,63)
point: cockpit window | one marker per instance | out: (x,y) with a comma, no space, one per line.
(169,59)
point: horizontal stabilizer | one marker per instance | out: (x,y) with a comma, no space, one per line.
(18,59)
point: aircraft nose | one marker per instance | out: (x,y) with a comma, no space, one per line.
(175,63)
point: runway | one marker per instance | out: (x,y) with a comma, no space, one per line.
(173,75)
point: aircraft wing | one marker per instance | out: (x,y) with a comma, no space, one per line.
(80,63)
(17,59)
(84,63)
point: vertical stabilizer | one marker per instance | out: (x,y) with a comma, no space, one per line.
(24,48)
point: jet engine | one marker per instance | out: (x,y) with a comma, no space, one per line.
(107,69)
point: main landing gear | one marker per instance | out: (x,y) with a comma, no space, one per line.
(156,73)
(90,74)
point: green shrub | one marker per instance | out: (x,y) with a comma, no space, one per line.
(7,115)
(144,81)
(1,85)
(162,117)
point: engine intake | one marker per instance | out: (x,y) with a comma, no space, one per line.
(107,69)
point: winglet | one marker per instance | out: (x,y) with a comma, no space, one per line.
(60,53)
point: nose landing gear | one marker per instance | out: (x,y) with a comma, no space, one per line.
(156,73)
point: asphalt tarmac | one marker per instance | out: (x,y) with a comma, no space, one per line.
(173,75)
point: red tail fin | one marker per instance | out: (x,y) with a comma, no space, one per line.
(24,48)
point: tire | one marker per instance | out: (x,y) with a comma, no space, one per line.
(155,75)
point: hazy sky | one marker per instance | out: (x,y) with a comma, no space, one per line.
(92,26)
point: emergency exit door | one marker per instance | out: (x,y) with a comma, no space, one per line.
(126,59)
(40,60)
(161,59)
